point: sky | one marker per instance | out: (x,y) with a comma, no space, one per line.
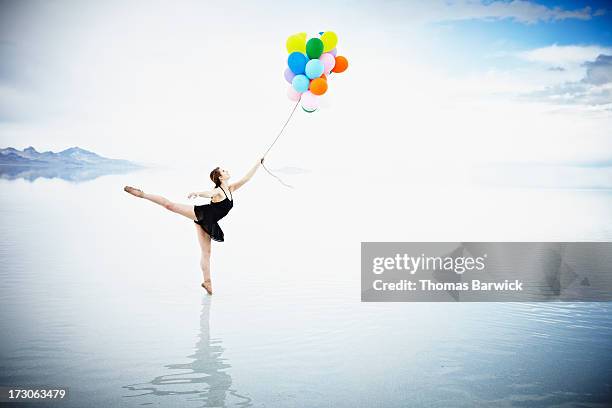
(201,83)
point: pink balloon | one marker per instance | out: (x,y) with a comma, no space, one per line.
(289,74)
(333,52)
(310,101)
(293,94)
(328,61)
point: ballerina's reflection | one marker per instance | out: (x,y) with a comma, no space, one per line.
(208,367)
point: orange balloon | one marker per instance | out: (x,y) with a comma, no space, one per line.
(318,86)
(341,64)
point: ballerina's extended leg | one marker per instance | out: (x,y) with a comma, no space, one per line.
(183,209)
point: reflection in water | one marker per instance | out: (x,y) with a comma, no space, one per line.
(207,367)
(68,173)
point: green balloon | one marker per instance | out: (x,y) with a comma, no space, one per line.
(314,48)
(308,110)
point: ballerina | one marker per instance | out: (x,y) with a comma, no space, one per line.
(205,216)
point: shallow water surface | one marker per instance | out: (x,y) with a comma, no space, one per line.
(100,292)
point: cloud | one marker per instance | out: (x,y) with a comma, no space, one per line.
(564,56)
(577,74)
(599,72)
(526,12)
(599,12)
(595,88)
(408,14)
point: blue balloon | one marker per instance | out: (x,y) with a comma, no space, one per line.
(314,68)
(300,83)
(297,62)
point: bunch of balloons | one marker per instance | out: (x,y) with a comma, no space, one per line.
(310,63)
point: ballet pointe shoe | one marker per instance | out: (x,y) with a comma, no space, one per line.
(208,286)
(133,191)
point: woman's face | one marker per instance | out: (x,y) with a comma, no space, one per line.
(225,175)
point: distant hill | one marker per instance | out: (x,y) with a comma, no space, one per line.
(72,157)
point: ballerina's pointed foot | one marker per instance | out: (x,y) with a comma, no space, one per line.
(208,286)
(133,191)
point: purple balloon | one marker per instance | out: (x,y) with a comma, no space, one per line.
(289,75)
(333,52)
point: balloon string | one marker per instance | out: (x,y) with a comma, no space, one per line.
(276,177)
(274,142)
(283,128)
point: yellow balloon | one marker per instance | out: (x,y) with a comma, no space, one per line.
(296,42)
(330,40)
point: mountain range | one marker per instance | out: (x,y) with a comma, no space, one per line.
(72,157)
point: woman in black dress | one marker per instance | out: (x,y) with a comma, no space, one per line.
(205,216)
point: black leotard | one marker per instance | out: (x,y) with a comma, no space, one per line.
(208,214)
